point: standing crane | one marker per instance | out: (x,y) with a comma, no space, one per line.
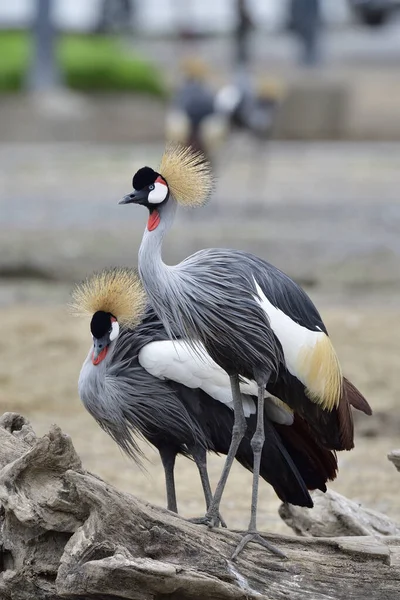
(252,319)
(192,119)
(130,384)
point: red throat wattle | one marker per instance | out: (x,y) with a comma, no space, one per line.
(100,357)
(154,220)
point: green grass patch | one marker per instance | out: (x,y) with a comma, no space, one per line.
(88,63)
(14,52)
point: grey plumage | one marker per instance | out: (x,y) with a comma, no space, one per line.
(200,312)
(214,293)
(208,302)
(211,296)
(128,402)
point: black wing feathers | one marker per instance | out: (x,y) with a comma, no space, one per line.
(324,424)
(316,464)
(161,411)
(292,460)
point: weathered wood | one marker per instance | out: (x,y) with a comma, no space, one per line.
(334,515)
(394,457)
(68,534)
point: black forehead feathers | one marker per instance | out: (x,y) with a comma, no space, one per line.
(144,177)
(100,323)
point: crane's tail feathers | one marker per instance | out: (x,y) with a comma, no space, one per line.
(350,397)
(332,428)
(278,468)
(324,424)
(188,175)
(320,371)
(316,464)
(346,425)
(355,398)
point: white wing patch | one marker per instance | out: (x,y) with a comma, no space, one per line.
(292,336)
(309,355)
(177,361)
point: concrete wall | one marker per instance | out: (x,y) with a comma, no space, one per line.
(353,106)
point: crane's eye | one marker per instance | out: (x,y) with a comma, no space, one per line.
(151,186)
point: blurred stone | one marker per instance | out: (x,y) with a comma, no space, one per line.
(65,116)
(342,106)
(374,110)
(314,108)
(61,104)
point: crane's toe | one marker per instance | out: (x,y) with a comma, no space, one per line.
(254,536)
(209,520)
(221,521)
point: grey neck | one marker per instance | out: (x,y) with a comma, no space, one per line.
(155,274)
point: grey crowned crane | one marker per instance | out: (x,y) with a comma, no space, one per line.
(248,107)
(192,119)
(252,319)
(131,383)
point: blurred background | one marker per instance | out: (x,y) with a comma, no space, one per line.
(297,105)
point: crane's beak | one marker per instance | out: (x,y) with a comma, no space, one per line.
(136,197)
(100,349)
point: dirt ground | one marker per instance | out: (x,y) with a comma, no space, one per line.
(42,349)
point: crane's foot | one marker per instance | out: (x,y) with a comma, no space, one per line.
(254,536)
(209,520)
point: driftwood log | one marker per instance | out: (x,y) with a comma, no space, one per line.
(65,533)
(334,515)
(394,457)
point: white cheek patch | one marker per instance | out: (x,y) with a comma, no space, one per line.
(115,331)
(158,194)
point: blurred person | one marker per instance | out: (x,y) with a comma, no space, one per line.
(305,22)
(242,32)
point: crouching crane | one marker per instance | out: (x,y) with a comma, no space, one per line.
(137,382)
(252,319)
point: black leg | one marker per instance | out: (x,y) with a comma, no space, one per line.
(199,454)
(238,431)
(257,443)
(168,457)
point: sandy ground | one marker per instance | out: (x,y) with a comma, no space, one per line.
(42,349)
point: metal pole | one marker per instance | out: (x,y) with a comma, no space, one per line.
(44,73)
